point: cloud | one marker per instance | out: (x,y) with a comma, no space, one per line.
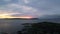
(49,7)
(6,12)
(7,0)
(31,7)
(26,1)
(22,9)
(54,16)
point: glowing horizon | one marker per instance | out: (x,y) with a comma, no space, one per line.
(15,17)
(9,16)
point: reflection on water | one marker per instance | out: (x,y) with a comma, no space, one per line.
(12,26)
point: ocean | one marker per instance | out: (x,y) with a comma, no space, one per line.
(12,26)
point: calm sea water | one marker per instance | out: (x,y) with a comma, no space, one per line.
(12,26)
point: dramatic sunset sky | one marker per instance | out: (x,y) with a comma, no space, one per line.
(29,8)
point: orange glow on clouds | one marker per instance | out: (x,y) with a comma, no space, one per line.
(28,17)
(9,16)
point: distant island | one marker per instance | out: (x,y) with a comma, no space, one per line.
(21,18)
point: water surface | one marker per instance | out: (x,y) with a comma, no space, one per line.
(12,26)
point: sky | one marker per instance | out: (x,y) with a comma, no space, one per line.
(34,8)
